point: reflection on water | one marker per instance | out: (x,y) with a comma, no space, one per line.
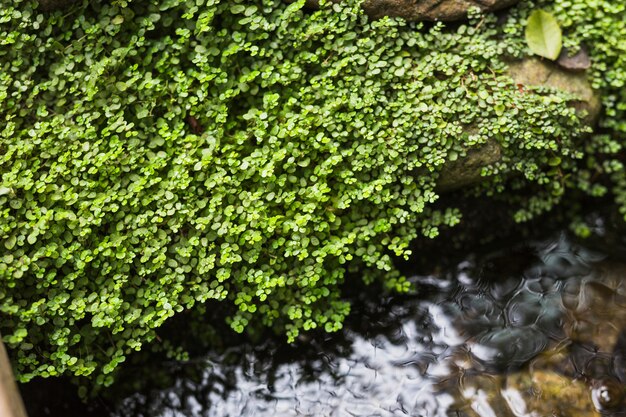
(536,331)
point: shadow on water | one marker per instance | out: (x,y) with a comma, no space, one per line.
(532,328)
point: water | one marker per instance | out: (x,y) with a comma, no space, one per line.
(537,329)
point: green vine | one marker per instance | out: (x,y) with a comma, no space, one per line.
(158,154)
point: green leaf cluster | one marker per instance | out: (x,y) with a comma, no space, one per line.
(598,27)
(159,154)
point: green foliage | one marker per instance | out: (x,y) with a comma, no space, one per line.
(543,34)
(598,26)
(159,154)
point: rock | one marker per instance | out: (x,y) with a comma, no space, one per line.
(508,348)
(426,9)
(548,393)
(580,61)
(467,170)
(534,72)
(541,390)
(531,72)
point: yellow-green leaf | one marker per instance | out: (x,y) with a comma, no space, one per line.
(543,35)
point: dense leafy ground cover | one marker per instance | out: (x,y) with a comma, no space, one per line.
(158,154)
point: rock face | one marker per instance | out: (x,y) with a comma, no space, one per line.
(466,171)
(531,72)
(534,72)
(426,9)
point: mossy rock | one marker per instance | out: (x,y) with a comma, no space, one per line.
(532,73)
(468,170)
(529,74)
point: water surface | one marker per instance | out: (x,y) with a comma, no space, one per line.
(529,329)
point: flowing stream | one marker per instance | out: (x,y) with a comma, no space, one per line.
(537,329)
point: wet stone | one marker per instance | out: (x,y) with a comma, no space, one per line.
(535,72)
(546,388)
(548,393)
(563,348)
(597,307)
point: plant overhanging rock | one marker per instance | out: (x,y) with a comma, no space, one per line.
(159,154)
(528,74)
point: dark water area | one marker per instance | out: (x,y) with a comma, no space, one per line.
(533,328)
